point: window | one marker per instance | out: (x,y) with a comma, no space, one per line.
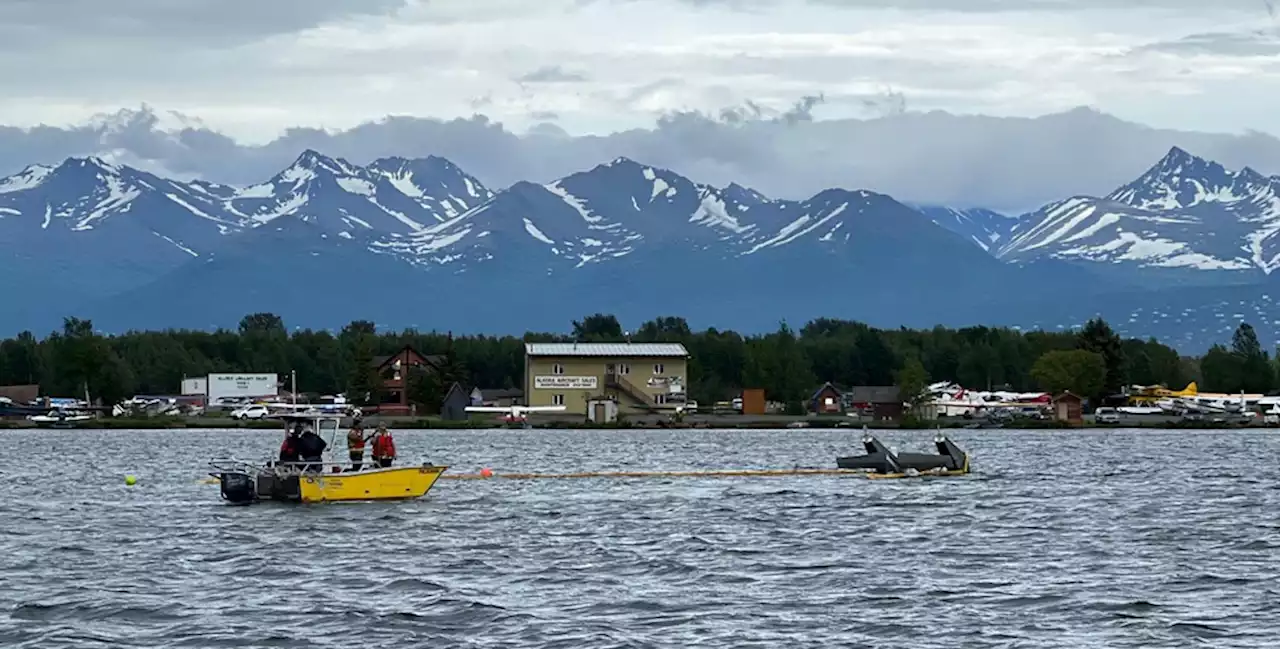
(557,399)
(624,368)
(658,369)
(557,369)
(660,399)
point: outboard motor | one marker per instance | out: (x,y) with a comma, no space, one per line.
(238,488)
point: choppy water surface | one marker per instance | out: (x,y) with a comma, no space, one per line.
(1093,539)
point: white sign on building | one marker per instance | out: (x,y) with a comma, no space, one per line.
(242,385)
(192,387)
(565,382)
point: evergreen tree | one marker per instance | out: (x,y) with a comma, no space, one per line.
(1257,376)
(1222,370)
(1097,337)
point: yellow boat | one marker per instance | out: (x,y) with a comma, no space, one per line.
(244,483)
(392,483)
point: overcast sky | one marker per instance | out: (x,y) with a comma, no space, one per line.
(716,89)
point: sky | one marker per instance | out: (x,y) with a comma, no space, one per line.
(226,89)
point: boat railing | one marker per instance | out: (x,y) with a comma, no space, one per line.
(325,466)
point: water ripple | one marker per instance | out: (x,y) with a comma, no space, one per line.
(1109,538)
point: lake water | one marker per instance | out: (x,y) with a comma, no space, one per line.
(1059,539)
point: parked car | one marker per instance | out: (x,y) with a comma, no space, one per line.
(1106,416)
(250,412)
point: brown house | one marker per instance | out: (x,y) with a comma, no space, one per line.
(20,394)
(1067,407)
(882,402)
(827,400)
(394,372)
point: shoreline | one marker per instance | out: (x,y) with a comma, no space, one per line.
(704,422)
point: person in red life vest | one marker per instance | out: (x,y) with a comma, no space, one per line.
(289,452)
(384,447)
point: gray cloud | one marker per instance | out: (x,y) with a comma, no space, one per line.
(552,74)
(993,6)
(208,22)
(937,157)
(1254,43)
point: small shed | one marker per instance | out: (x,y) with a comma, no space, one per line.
(1067,407)
(828,400)
(884,402)
(753,402)
(454,405)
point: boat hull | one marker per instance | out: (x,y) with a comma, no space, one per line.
(393,483)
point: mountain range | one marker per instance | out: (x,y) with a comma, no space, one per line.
(1183,253)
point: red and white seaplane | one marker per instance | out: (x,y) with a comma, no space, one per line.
(515,414)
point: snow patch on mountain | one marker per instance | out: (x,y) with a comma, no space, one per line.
(26,179)
(987,229)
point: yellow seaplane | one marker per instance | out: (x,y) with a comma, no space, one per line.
(1149,395)
(244,483)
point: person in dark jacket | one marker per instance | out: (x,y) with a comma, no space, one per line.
(311,447)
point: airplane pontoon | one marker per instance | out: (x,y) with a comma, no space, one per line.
(515,414)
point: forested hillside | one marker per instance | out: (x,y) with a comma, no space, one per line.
(788,363)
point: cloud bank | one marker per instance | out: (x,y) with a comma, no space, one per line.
(960,102)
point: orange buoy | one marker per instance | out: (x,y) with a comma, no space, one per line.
(486,473)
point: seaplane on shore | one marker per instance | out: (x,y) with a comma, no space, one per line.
(1191,400)
(515,414)
(953,400)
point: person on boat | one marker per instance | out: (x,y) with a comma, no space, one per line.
(289,452)
(311,447)
(384,447)
(355,445)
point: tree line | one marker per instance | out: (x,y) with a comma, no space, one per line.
(789,364)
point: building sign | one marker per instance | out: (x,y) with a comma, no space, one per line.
(242,385)
(195,386)
(565,382)
(672,384)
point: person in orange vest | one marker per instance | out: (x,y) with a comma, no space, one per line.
(384,447)
(355,445)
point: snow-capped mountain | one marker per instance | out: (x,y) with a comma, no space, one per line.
(1186,216)
(624,209)
(623,235)
(86,227)
(391,197)
(424,244)
(987,229)
(599,215)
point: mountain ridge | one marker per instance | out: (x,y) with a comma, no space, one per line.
(621,232)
